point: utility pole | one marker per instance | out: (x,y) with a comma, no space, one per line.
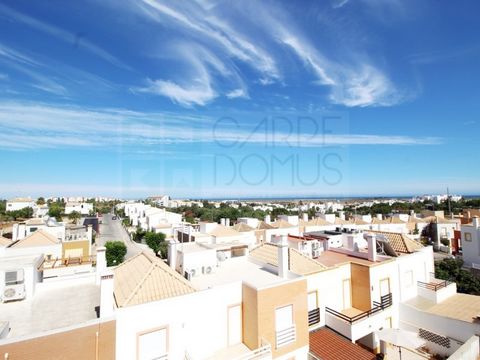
(449,203)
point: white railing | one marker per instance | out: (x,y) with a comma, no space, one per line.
(476,266)
(260,353)
(286,336)
(162,357)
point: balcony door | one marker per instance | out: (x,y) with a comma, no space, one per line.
(234,325)
(384,287)
(347,295)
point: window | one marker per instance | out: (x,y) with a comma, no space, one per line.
(284,318)
(33,229)
(153,345)
(408,278)
(468,236)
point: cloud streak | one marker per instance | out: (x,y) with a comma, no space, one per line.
(32,126)
(74,39)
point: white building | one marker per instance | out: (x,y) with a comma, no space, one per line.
(470,238)
(79,207)
(19,203)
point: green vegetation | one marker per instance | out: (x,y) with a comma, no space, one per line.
(56,209)
(41,201)
(451,270)
(74,216)
(25,213)
(116,251)
(157,243)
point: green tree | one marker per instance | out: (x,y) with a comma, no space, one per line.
(157,243)
(451,270)
(41,201)
(25,213)
(116,251)
(74,216)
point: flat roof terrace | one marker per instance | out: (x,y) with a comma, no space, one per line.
(237,269)
(52,307)
(331,258)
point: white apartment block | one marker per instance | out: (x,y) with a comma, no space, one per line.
(470,238)
(80,207)
(219,298)
(19,203)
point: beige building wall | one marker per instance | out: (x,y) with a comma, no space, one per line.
(78,344)
(82,248)
(259,315)
(360,281)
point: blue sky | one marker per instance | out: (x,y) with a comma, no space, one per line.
(235,99)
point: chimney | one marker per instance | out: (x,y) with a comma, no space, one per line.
(350,242)
(305,217)
(412,213)
(379,216)
(227,222)
(106,294)
(15,232)
(101,263)
(341,215)
(22,231)
(267,219)
(283,257)
(172,254)
(222,221)
(89,233)
(372,247)
(189,233)
(476,222)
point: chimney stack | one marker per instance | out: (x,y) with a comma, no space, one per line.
(222,221)
(305,217)
(283,257)
(172,254)
(341,215)
(15,232)
(476,222)
(372,247)
(101,263)
(227,222)
(106,294)
(267,219)
(379,216)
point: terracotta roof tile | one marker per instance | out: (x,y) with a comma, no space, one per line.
(400,242)
(145,278)
(298,263)
(242,227)
(328,345)
(282,224)
(38,238)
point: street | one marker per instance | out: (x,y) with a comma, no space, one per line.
(111,230)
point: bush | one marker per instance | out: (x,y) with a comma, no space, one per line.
(445,242)
(116,251)
(157,243)
(451,270)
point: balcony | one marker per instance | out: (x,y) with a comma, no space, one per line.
(313,317)
(285,337)
(436,290)
(355,324)
(241,352)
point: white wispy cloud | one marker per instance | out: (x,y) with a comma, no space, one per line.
(33,126)
(77,40)
(237,93)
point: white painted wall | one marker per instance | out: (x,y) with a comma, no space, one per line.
(196,322)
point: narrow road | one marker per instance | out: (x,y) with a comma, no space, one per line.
(112,230)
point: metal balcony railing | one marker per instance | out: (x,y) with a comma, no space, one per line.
(313,317)
(434,286)
(286,336)
(385,302)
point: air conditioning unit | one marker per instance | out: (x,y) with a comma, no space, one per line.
(315,245)
(315,253)
(207,269)
(14,286)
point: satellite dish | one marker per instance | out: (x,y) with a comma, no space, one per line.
(221,256)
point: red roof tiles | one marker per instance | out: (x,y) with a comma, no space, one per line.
(328,345)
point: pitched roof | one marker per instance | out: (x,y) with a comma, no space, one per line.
(242,227)
(297,262)
(222,230)
(326,344)
(4,241)
(262,225)
(360,222)
(145,278)
(38,238)
(316,222)
(400,242)
(339,221)
(282,224)
(378,221)
(395,220)
(35,221)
